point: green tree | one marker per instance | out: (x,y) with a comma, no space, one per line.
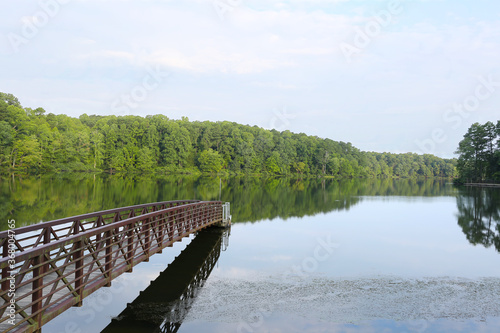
(97,148)
(9,99)
(346,169)
(7,134)
(273,163)
(132,143)
(478,158)
(210,161)
(118,161)
(145,160)
(27,153)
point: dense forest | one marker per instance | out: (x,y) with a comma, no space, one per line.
(35,142)
(479,154)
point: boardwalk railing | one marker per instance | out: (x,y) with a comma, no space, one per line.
(51,266)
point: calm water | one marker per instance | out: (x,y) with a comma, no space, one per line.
(350,256)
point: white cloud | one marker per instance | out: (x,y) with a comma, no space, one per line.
(262,55)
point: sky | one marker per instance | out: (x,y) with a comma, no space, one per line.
(385,75)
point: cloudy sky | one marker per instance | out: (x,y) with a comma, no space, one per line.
(387,76)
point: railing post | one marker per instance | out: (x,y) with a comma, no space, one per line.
(78,257)
(183,220)
(160,224)
(205,213)
(174,224)
(109,249)
(168,227)
(117,218)
(46,240)
(197,216)
(199,219)
(36,297)
(192,225)
(226,212)
(98,224)
(155,224)
(146,225)
(130,247)
(180,221)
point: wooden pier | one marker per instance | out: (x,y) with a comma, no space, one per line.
(52,266)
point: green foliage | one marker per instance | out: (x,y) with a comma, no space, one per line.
(7,134)
(145,161)
(273,163)
(9,99)
(27,153)
(36,142)
(210,161)
(479,154)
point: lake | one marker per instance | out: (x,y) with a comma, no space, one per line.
(307,255)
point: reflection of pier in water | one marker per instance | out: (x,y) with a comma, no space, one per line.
(163,306)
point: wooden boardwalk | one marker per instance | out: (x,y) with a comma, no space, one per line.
(51,266)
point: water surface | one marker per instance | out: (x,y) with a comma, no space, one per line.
(303,255)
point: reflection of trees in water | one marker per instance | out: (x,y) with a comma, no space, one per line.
(43,198)
(162,306)
(479,215)
(254,199)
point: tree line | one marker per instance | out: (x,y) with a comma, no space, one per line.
(479,154)
(36,142)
